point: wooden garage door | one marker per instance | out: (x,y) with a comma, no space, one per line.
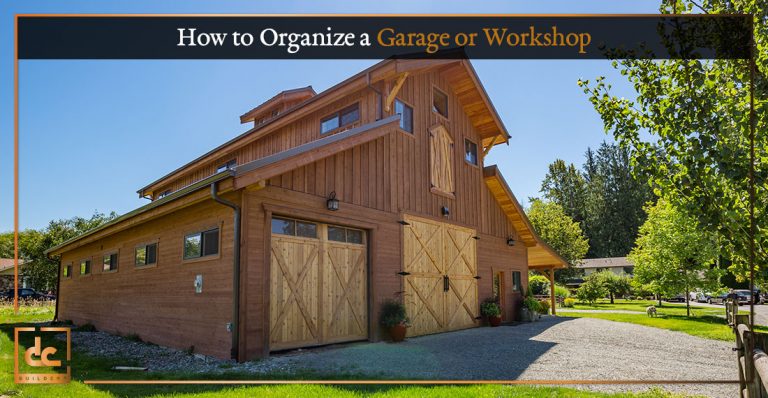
(441,288)
(318,284)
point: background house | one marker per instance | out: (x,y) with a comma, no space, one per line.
(617,265)
(6,274)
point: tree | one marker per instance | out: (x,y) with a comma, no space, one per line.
(605,198)
(615,285)
(560,232)
(565,186)
(41,270)
(592,289)
(688,130)
(673,254)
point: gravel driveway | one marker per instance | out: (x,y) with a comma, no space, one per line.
(554,348)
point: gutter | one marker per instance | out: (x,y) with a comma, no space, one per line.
(234,352)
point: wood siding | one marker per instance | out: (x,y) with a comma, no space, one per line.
(158,302)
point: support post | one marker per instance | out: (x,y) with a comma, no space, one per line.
(552,299)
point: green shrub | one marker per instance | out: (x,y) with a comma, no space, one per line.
(134,337)
(569,302)
(539,284)
(490,308)
(562,291)
(85,328)
(531,303)
(393,314)
(544,307)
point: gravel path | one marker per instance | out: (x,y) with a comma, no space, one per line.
(554,348)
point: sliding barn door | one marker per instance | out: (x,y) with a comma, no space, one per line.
(440,290)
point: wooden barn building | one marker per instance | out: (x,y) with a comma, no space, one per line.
(294,233)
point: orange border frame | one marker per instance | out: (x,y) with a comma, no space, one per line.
(326,382)
(16,355)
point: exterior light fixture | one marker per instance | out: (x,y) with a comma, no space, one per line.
(445,211)
(332,203)
(510,241)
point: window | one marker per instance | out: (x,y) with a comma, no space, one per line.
(67,270)
(201,244)
(284,226)
(441,160)
(85,267)
(341,118)
(470,152)
(109,262)
(406,115)
(439,102)
(146,254)
(347,235)
(516,283)
(227,166)
(164,194)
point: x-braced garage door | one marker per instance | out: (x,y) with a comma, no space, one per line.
(318,292)
(441,284)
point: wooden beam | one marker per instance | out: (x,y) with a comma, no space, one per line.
(552,299)
(395,89)
(488,148)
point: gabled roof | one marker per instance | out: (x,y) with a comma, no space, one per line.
(607,262)
(540,254)
(284,97)
(460,74)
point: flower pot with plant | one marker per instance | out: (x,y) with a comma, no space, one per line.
(394,318)
(531,308)
(492,311)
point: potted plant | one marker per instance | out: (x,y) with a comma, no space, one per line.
(530,309)
(394,318)
(491,310)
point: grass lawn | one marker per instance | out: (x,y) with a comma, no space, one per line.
(704,321)
(86,367)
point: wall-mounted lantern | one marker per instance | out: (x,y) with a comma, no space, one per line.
(510,241)
(445,211)
(332,203)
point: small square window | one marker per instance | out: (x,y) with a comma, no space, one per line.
(439,102)
(406,116)
(67,271)
(109,262)
(227,166)
(201,244)
(470,152)
(85,267)
(355,236)
(328,124)
(306,229)
(282,226)
(337,234)
(146,254)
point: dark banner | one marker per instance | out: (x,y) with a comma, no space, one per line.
(378,37)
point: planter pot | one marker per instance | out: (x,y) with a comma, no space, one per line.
(525,315)
(494,321)
(397,333)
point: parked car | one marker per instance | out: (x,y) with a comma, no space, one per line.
(719,299)
(702,297)
(747,296)
(678,298)
(27,294)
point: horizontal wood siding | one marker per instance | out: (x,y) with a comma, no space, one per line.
(158,303)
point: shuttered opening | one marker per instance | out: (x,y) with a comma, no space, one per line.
(318,284)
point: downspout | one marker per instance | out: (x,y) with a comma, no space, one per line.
(58,292)
(235,274)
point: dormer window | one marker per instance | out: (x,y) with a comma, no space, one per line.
(164,194)
(342,118)
(227,166)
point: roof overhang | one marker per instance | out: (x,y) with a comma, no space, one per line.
(540,254)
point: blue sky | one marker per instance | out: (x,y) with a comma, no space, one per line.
(93,132)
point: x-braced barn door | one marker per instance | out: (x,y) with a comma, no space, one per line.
(440,288)
(318,284)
